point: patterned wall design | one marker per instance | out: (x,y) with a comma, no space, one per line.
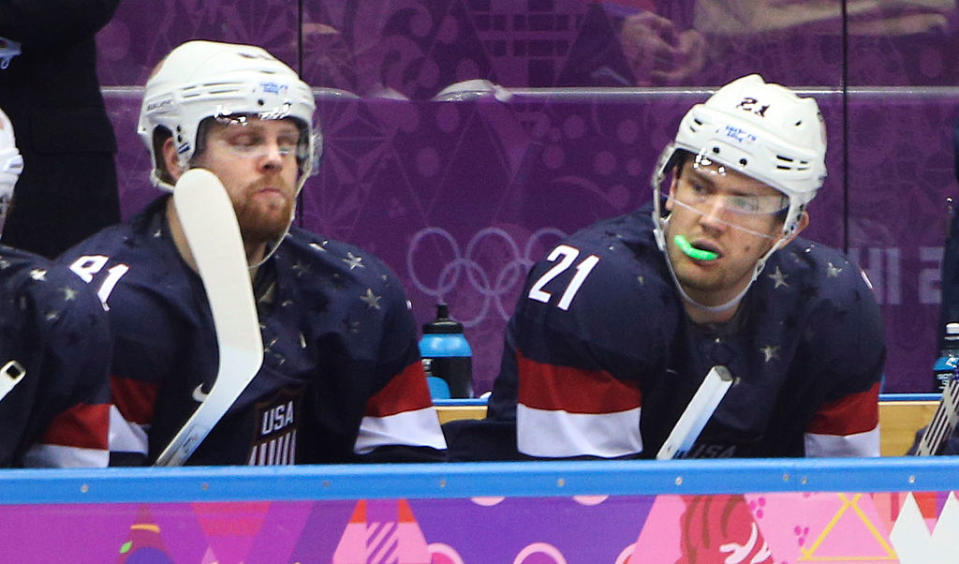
(459,197)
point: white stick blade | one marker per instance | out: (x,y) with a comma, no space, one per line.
(209,224)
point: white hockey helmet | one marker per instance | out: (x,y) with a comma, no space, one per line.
(762,130)
(204,79)
(11,165)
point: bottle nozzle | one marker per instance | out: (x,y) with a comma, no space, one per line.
(443,322)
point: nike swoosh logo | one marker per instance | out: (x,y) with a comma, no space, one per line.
(199,395)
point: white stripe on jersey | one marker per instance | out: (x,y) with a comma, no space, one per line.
(59,456)
(126,436)
(276,451)
(858,444)
(560,434)
(420,427)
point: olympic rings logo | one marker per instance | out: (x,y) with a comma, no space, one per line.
(468,267)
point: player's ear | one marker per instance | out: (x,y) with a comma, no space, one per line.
(171,161)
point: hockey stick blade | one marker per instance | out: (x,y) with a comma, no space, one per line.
(209,223)
(943,422)
(697,413)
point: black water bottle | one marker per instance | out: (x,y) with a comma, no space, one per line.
(447,356)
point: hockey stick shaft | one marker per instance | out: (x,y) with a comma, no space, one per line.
(943,422)
(697,413)
(209,224)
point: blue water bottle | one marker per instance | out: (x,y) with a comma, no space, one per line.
(447,357)
(948,362)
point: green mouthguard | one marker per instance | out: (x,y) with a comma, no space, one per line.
(691,251)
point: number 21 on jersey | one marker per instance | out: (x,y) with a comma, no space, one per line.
(566,256)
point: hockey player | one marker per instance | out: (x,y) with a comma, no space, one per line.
(341,378)
(54,352)
(618,326)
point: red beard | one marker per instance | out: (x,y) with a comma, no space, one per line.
(261,223)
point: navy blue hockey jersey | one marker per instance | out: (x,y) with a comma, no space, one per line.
(601,359)
(54,352)
(341,377)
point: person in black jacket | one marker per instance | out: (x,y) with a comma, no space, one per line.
(51,93)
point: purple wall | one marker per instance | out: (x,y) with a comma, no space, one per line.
(459,197)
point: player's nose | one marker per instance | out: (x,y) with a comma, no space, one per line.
(272,157)
(712,213)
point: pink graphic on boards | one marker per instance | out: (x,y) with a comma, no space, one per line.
(702,529)
(382,532)
(829,527)
(660,535)
(231,527)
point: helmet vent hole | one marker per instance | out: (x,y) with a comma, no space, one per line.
(798,123)
(260,102)
(785,163)
(715,150)
(743,162)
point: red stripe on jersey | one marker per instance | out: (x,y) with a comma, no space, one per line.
(81,426)
(407,391)
(574,390)
(855,413)
(135,399)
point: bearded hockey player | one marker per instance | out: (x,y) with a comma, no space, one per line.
(341,379)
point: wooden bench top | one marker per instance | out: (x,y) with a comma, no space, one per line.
(898,421)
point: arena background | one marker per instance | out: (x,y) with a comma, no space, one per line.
(459,194)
